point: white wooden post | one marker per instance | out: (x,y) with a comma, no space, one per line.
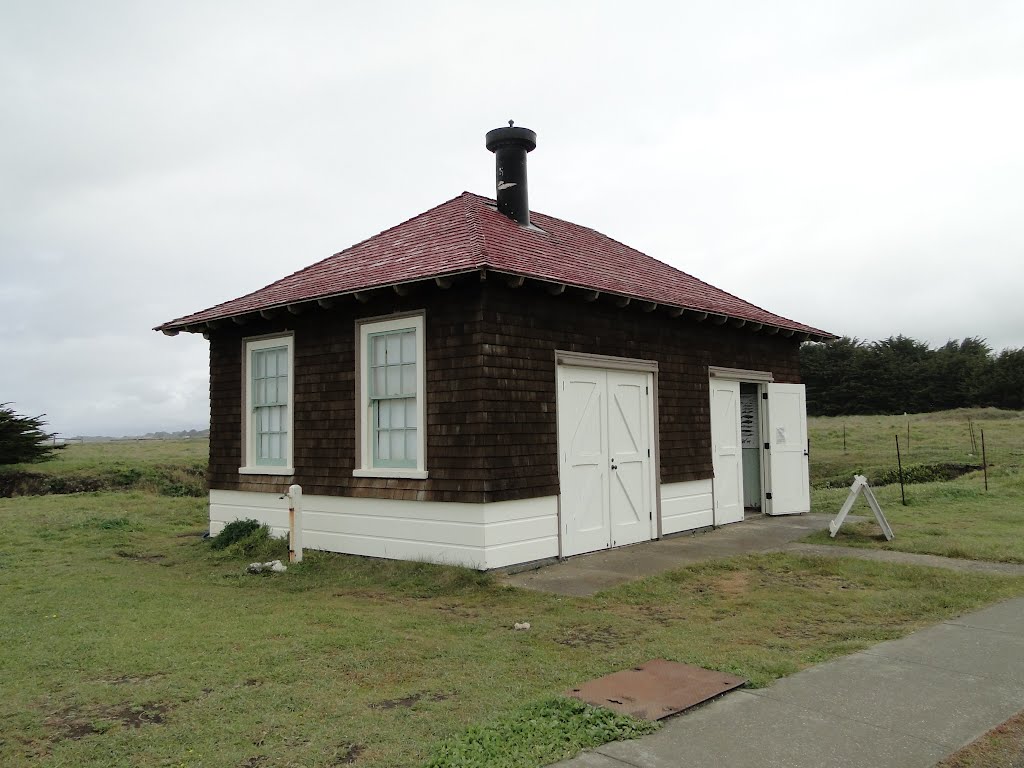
(294,523)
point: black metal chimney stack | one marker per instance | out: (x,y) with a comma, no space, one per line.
(510,146)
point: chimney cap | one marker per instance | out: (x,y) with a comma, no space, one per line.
(511,137)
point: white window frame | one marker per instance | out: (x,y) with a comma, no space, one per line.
(364,422)
(250,467)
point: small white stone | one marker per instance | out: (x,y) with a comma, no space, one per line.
(519,626)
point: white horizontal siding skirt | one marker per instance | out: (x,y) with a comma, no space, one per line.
(481,536)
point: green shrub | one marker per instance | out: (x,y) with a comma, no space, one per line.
(235,531)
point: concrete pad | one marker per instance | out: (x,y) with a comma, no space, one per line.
(925,702)
(1007,616)
(740,731)
(994,654)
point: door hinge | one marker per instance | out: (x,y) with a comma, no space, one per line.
(764,395)
(768,496)
(767,446)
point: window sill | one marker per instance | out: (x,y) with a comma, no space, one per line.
(276,471)
(407,474)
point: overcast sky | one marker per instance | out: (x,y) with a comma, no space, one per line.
(856,166)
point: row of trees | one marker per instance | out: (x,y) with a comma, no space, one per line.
(903,375)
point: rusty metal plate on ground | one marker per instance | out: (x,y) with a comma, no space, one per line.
(656,689)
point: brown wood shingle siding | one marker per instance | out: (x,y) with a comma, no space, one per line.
(490,411)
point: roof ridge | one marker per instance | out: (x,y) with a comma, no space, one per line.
(476,229)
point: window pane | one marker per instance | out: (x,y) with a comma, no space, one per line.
(397,445)
(408,379)
(275,419)
(383,446)
(394,383)
(262,420)
(377,386)
(264,451)
(260,395)
(394,353)
(410,412)
(377,356)
(282,389)
(383,414)
(409,347)
(259,364)
(410,444)
(284,446)
(397,408)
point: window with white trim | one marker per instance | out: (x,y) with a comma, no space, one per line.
(391,385)
(268,403)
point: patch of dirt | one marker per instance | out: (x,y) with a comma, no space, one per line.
(657,614)
(349,753)
(140,557)
(459,611)
(76,724)
(734,584)
(410,700)
(814,581)
(589,637)
(254,762)
(132,679)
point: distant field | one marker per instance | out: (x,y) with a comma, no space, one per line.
(942,437)
(953,518)
(165,467)
(96,455)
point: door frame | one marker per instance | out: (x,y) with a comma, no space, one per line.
(761,379)
(612,363)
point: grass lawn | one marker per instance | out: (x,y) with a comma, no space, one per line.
(956,518)
(128,641)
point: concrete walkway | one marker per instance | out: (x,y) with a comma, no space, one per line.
(905,703)
(584,575)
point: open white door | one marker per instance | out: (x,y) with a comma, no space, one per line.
(789,480)
(726,453)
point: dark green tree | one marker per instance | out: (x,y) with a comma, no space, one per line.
(22,439)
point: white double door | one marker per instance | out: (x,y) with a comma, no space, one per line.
(605,438)
(784,456)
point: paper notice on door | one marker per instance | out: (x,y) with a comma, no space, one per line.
(780,435)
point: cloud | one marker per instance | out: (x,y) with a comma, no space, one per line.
(854,166)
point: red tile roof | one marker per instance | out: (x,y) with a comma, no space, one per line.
(467,234)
